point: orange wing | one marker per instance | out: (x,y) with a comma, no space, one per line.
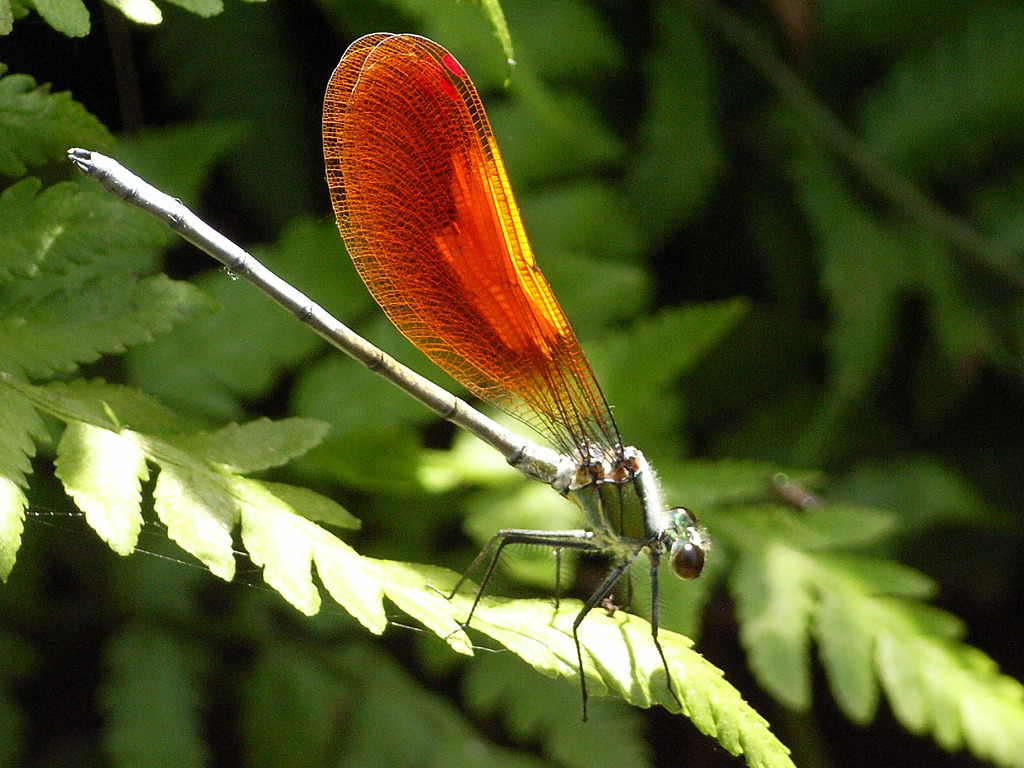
(424,205)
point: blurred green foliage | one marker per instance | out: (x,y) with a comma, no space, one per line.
(789,237)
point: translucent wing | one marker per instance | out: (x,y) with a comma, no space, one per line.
(424,205)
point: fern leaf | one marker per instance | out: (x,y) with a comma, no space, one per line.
(419,591)
(945,688)
(257,445)
(63,226)
(620,657)
(21,427)
(37,126)
(847,653)
(103,472)
(313,506)
(198,511)
(286,544)
(147,12)
(96,402)
(12,523)
(874,636)
(775,607)
(201,500)
(62,331)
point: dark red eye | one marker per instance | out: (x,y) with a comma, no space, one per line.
(687,559)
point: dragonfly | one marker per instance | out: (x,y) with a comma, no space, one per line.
(426,210)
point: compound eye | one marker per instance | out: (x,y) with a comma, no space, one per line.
(687,559)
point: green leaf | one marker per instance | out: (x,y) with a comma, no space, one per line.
(103,472)
(313,506)
(22,211)
(200,501)
(847,651)
(620,657)
(353,583)
(875,576)
(100,404)
(774,603)
(78,237)
(198,510)
(139,11)
(286,544)
(37,126)
(257,445)
(950,690)
(61,331)
(65,225)
(148,666)
(6,21)
(205,8)
(871,638)
(870,265)
(21,427)
(280,542)
(843,525)
(419,590)
(69,17)
(12,523)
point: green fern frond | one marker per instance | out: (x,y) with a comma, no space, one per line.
(37,126)
(105,455)
(873,635)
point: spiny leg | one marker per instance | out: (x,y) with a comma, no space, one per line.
(655,609)
(602,592)
(559,540)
